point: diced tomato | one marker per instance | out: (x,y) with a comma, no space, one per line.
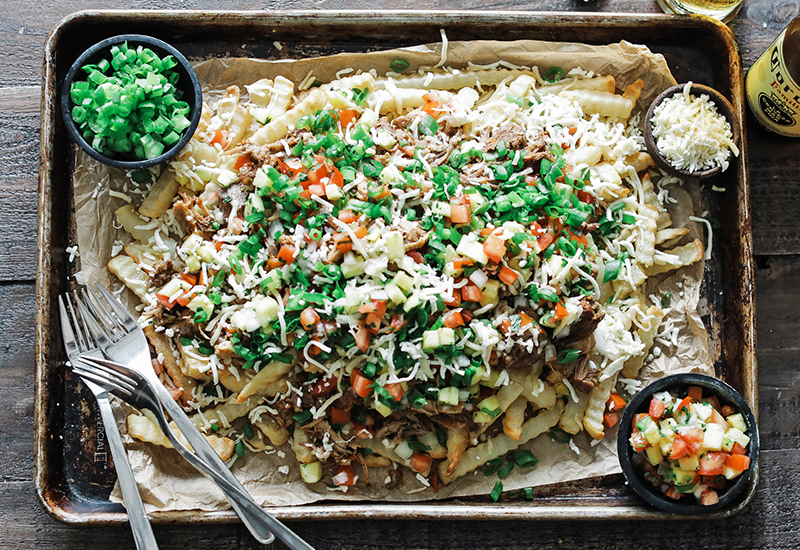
(347,216)
(324,386)
(507,275)
(421,462)
(673,493)
(679,449)
(615,402)
(317,189)
(374,306)
(460,213)
(189,278)
(657,408)
(711,463)
(363,336)
(242,161)
(638,441)
(360,232)
(286,254)
(453,319)
(360,383)
(738,462)
(347,117)
(432,106)
(544,241)
(175,393)
(221,138)
(738,449)
(344,476)
(610,419)
(461,263)
(309,318)
(524,320)
(715,482)
(560,312)
(416,256)
(395,390)
(717,418)
(682,411)
(340,416)
(343,242)
(185,299)
(709,497)
(456,301)
(505,325)
(471,293)
(397,323)
(164,301)
(693,437)
(695,392)
(336,177)
(495,248)
(373,322)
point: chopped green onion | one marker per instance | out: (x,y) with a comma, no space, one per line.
(240,449)
(524,458)
(497,491)
(248,432)
(399,65)
(428,126)
(568,356)
(666,299)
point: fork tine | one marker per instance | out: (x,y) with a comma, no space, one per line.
(106,368)
(110,323)
(70,342)
(106,377)
(109,385)
(92,324)
(79,325)
(128,321)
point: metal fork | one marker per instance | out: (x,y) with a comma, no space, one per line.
(137,391)
(123,340)
(79,344)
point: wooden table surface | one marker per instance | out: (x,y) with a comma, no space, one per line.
(771,522)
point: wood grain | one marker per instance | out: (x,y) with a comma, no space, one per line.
(770,523)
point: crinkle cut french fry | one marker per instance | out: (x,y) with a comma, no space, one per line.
(604,104)
(129,272)
(130,220)
(160,196)
(646,234)
(599,84)
(269,373)
(593,417)
(451,81)
(301,445)
(163,347)
(670,234)
(269,427)
(514,417)
(223,413)
(647,335)
(278,127)
(572,419)
(498,446)
(145,428)
(457,441)
(675,258)
(634,90)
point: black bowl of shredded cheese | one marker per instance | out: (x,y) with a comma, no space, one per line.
(691,131)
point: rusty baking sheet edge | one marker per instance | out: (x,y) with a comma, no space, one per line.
(53,497)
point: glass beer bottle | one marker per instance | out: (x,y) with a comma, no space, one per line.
(773,83)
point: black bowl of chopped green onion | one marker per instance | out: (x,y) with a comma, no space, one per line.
(131,101)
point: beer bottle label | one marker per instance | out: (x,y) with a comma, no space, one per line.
(773,95)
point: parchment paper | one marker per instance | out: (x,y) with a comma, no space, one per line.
(168,483)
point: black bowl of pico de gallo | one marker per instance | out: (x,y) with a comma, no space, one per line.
(688,444)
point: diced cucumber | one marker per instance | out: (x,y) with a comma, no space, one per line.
(395,294)
(352,266)
(448,396)
(333,192)
(727,443)
(385,139)
(738,436)
(381,408)
(226,177)
(312,472)
(266,308)
(402,280)
(173,286)
(702,410)
(412,302)
(442,208)
(394,245)
(736,420)
(447,336)
(272,280)
(245,319)
(201,302)
(730,473)
(489,292)
(472,249)
(667,427)
(651,433)
(430,340)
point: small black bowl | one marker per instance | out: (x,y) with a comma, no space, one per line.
(187,82)
(641,402)
(723,107)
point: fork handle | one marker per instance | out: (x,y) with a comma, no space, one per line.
(137,517)
(260,528)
